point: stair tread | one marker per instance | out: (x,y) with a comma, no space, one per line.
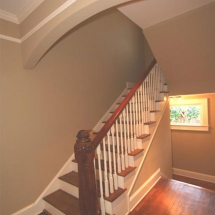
(123,173)
(71,178)
(135,152)
(142,136)
(128,170)
(64,202)
(43,213)
(164,91)
(113,196)
(149,123)
(154,111)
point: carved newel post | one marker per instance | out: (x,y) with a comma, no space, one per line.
(84,154)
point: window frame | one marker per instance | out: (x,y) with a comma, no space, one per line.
(203,103)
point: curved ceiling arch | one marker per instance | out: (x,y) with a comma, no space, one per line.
(38,44)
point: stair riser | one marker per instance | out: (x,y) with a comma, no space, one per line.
(142,144)
(52,210)
(69,188)
(125,182)
(147,129)
(134,161)
(131,159)
(150,118)
(118,207)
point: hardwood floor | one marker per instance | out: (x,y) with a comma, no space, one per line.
(170,197)
(196,182)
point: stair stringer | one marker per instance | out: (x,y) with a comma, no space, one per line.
(146,187)
(39,205)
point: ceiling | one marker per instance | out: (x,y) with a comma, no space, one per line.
(13,6)
(17,10)
(145,13)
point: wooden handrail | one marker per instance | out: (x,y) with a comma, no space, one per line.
(96,141)
(85,154)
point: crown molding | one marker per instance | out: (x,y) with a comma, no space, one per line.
(12,39)
(8,16)
(41,24)
(28,9)
(48,18)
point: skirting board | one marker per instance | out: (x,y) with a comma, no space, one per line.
(195,175)
(144,189)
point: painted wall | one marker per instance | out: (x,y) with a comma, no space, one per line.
(185,49)
(70,89)
(159,155)
(194,151)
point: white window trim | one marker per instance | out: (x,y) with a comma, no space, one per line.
(203,103)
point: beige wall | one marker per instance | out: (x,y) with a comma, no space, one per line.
(185,49)
(159,155)
(194,150)
(9,29)
(70,89)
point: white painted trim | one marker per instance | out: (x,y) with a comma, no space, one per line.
(147,150)
(8,16)
(48,18)
(38,26)
(190,127)
(194,175)
(38,205)
(144,189)
(28,9)
(12,39)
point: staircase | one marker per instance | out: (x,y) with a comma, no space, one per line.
(121,144)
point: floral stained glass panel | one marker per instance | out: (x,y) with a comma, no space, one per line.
(185,115)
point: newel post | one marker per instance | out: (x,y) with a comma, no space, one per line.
(84,154)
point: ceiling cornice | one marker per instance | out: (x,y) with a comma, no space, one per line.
(8,16)
(23,14)
(28,9)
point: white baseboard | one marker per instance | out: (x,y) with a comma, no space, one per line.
(144,189)
(195,175)
(38,205)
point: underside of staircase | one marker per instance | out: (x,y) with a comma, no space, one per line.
(64,200)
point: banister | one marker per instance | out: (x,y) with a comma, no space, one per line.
(98,138)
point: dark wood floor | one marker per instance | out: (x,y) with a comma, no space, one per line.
(170,197)
(196,182)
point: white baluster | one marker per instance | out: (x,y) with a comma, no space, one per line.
(139,111)
(135,119)
(118,150)
(105,173)
(121,142)
(136,115)
(125,139)
(114,159)
(110,163)
(154,88)
(145,101)
(128,134)
(148,98)
(131,125)
(142,108)
(102,202)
